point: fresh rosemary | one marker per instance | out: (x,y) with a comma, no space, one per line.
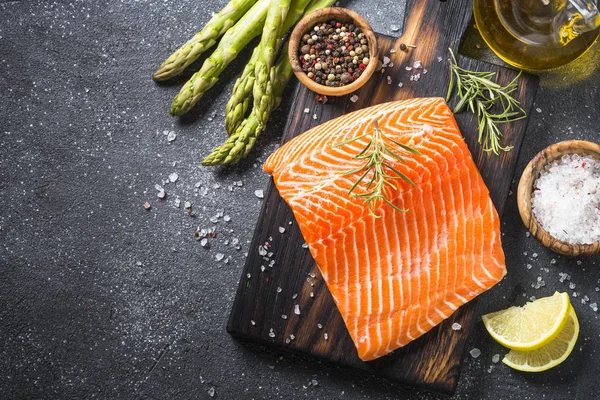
(379,156)
(478,92)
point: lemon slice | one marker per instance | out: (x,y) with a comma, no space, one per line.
(550,355)
(532,326)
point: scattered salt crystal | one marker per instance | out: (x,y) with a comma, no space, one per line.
(204,242)
(173,177)
(226,218)
(177,203)
(312,294)
(529,266)
(534,255)
(315,116)
(211,392)
(306,110)
(579,262)
(262,268)
(158,187)
(296,309)
(408,68)
(439,59)
(325,336)
(417,65)
(252,322)
(389,80)
(565,199)
(475,352)
(287,340)
(147,206)
(292,336)
(594,307)
(271,333)
(394,28)
(281,229)
(572,285)
(456,326)
(527,234)
(597,289)
(495,358)
(248,275)
(259,193)
(283,316)
(319,326)
(400,84)
(354,98)
(187,205)
(392,51)
(425,71)
(386,61)
(279,289)
(553,261)
(314,382)
(304,246)
(262,251)
(294,296)
(539,110)
(219,256)
(161,194)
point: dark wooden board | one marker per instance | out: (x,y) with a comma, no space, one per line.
(434,360)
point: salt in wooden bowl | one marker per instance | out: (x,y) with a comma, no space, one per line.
(525,191)
(306,25)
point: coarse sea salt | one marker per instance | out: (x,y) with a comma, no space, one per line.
(566,199)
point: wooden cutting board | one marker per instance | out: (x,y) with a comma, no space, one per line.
(280,273)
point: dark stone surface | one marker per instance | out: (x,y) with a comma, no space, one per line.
(100,298)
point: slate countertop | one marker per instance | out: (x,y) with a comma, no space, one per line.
(100,298)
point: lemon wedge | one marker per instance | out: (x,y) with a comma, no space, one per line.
(549,355)
(532,326)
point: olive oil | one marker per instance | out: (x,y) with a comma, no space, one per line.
(534,34)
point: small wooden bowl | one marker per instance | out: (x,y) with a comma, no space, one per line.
(531,174)
(307,23)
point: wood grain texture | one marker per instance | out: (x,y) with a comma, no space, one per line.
(531,174)
(433,361)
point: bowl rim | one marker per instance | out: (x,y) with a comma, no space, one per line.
(525,190)
(323,14)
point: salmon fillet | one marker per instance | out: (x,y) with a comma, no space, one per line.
(395,277)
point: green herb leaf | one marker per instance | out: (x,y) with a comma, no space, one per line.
(378,156)
(478,93)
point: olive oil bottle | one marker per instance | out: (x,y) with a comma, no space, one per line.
(538,34)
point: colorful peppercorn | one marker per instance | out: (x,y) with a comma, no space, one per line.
(334,53)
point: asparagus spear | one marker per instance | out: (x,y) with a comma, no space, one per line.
(237,106)
(241,142)
(262,93)
(238,103)
(236,38)
(203,40)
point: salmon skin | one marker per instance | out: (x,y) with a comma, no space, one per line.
(395,277)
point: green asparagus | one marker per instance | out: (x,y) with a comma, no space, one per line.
(262,93)
(241,142)
(238,103)
(203,40)
(236,38)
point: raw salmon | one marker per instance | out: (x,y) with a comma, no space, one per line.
(395,277)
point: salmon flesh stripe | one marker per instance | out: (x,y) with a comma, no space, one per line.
(395,277)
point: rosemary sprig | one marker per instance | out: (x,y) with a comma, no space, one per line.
(479,93)
(378,156)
